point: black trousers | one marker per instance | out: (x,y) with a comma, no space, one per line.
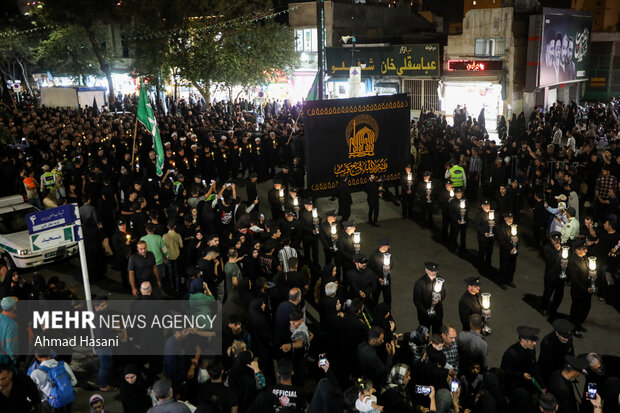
(386,290)
(580,308)
(554,286)
(311,250)
(373,211)
(407,205)
(426,212)
(485,252)
(446,222)
(454,233)
(507,266)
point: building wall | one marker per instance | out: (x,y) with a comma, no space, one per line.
(495,23)
(605,13)
(480,4)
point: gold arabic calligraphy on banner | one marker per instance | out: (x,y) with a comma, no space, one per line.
(338,110)
(323,186)
(367,166)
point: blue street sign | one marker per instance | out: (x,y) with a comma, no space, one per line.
(50,218)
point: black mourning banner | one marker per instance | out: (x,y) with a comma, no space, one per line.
(355,137)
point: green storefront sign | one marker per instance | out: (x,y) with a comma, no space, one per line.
(410,60)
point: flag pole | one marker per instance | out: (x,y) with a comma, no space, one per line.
(135,128)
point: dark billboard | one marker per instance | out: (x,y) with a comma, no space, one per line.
(355,137)
(565,47)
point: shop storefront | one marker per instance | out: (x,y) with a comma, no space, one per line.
(384,70)
(477,85)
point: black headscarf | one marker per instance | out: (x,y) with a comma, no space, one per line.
(245,295)
(133,396)
(327,399)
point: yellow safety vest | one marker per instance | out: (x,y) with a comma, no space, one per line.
(456,176)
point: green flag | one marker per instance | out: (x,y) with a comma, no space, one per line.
(147,117)
(313,93)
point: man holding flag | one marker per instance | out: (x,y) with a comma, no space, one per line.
(147,117)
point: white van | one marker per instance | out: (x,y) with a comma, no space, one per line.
(14,239)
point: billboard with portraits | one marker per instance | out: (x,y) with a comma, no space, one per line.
(565,48)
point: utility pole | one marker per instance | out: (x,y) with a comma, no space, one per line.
(320,29)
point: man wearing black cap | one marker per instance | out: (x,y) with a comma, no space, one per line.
(470,302)
(309,232)
(329,240)
(346,249)
(361,280)
(121,246)
(275,201)
(580,290)
(374,191)
(561,384)
(406,180)
(485,238)
(521,370)
(446,196)
(424,299)
(426,197)
(459,221)
(377,263)
(507,251)
(554,285)
(554,347)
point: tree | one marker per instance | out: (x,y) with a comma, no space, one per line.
(93,17)
(67,51)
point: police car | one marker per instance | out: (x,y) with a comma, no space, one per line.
(14,239)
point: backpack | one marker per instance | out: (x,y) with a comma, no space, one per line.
(62,392)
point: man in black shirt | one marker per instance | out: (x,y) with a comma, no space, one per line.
(554,285)
(470,302)
(216,396)
(18,393)
(561,384)
(121,246)
(374,191)
(141,267)
(287,395)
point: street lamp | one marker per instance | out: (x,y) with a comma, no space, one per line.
(281,195)
(436,296)
(513,238)
(315,219)
(491,222)
(486,311)
(387,258)
(334,231)
(463,210)
(592,273)
(296,206)
(564,261)
(429,188)
(356,242)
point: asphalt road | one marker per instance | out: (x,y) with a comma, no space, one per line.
(411,247)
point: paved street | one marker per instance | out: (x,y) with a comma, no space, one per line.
(411,247)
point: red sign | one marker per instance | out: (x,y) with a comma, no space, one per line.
(474,65)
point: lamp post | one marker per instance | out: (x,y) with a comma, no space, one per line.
(429,188)
(296,206)
(356,242)
(486,311)
(513,238)
(463,210)
(315,219)
(564,261)
(592,273)
(334,235)
(491,222)
(281,195)
(387,258)
(436,296)
(409,180)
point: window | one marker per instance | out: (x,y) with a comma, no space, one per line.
(306,40)
(490,47)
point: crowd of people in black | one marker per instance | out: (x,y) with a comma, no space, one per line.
(201,232)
